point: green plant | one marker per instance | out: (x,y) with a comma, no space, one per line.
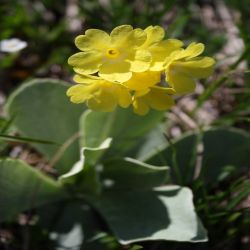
(112,180)
(126,192)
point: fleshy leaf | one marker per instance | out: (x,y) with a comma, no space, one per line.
(23,187)
(75,227)
(122,125)
(165,213)
(152,143)
(221,147)
(41,110)
(84,171)
(129,173)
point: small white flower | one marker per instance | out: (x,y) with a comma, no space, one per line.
(12,45)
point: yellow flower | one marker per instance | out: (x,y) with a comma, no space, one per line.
(99,94)
(184,66)
(126,68)
(159,48)
(143,80)
(157,98)
(113,56)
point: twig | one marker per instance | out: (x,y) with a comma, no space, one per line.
(190,123)
(62,149)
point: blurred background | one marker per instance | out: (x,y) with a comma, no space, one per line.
(49,28)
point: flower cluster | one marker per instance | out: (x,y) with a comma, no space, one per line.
(134,67)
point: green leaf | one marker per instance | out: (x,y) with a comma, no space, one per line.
(4,125)
(41,110)
(73,224)
(23,187)
(222,147)
(242,193)
(165,213)
(122,125)
(129,173)
(152,143)
(180,153)
(84,171)
(23,139)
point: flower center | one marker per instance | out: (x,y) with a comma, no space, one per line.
(112,53)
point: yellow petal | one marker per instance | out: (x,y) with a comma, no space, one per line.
(120,34)
(193,50)
(181,82)
(138,37)
(115,72)
(86,62)
(104,101)
(100,95)
(85,79)
(139,60)
(141,92)
(154,34)
(80,93)
(199,68)
(174,56)
(158,99)
(140,107)
(161,51)
(94,39)
(168,91)
(143,80)
(125,37)
(123,96)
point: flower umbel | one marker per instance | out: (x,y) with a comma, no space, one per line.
(127,67)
